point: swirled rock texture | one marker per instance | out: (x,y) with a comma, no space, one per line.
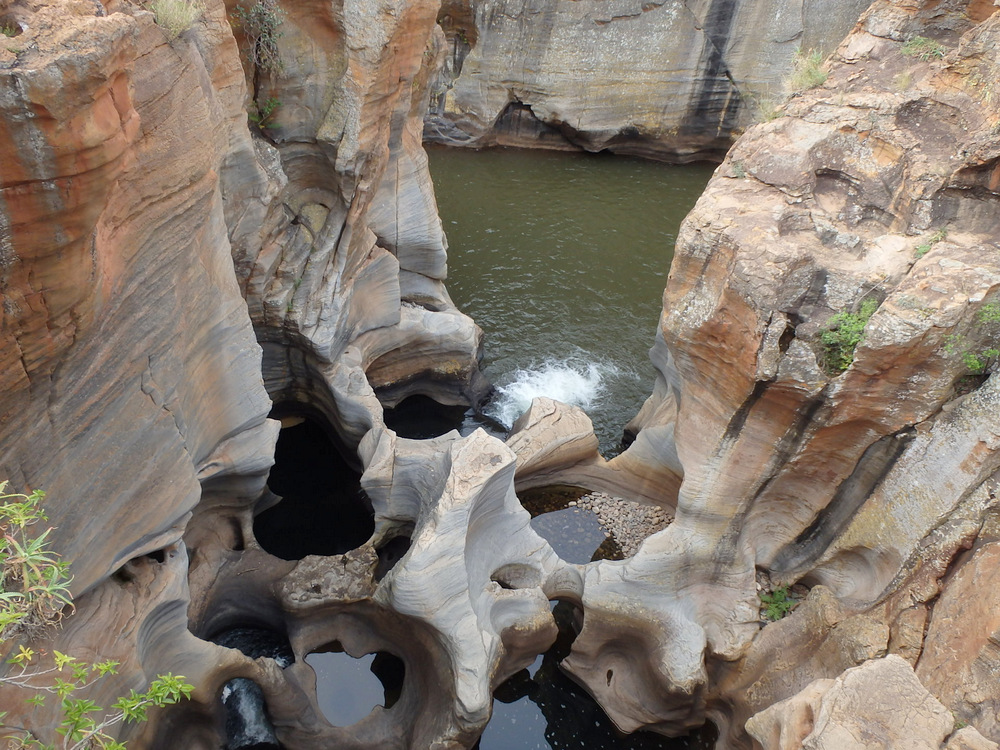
(150,237)
(672,80)
(876,190)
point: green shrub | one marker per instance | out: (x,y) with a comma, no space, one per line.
(924,247)
(777,603)
(260,23)
(807,70)
(175,16)
(260,113)
(34,582)
(34,595)
(924,48)
(845,330)
(9,30)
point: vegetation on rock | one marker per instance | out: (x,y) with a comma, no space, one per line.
(807,72)
(845,330)
(777,604)
(260,23)
(924,247)
(175,16)
(924,48)
(34,596)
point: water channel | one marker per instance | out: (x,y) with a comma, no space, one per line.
(562,258)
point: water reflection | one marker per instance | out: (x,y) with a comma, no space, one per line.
(540,708)
(348,689)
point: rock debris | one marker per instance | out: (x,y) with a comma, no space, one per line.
(626,521)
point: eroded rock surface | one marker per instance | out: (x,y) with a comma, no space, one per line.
(150,238)
(862,709)
(669,80)
(868,481)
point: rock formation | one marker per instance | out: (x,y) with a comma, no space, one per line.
(672,80)
(170,270)
(865,484)
(151,237)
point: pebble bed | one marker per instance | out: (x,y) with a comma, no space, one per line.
(625,521)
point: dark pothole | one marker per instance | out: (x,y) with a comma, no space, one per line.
(248,724)
(323,510)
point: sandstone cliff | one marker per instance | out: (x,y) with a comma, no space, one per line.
(873,486)
(670,80)
(151,238)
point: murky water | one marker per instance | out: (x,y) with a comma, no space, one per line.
(562,258)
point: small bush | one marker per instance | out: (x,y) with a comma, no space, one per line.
(777,604)
(9,30)
(260,113)
(845,330)
(924,48)
(978,362)
(924,247)
(34,596)
(175,16)
(807,71)
(260,23)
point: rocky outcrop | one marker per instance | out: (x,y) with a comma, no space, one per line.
(860,709)
(150,237)
(866,483)
(672,80)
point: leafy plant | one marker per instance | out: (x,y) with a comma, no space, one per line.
(807,70)
(845,330)
(9,30)
(990,313)
(34,596)
(261,112)
(978,362)
(924,247)
(777,604)
(175,16)
(924,48)
(34,582)
(260,23)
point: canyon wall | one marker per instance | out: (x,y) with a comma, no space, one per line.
(868,481)
(160,252)
(674,80)
(170,271)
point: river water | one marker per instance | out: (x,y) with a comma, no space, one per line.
(562,258)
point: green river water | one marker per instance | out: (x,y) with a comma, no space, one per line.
(562,258)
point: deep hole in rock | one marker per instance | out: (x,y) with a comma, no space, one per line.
(348,689)
(421,417)
(323,510)
(389,554)
(248,724)
(542,707)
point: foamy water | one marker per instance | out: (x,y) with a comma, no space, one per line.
(575,381)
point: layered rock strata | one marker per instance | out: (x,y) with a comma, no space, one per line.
(151,236)
(670,80)
(140,211)
(866,484)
